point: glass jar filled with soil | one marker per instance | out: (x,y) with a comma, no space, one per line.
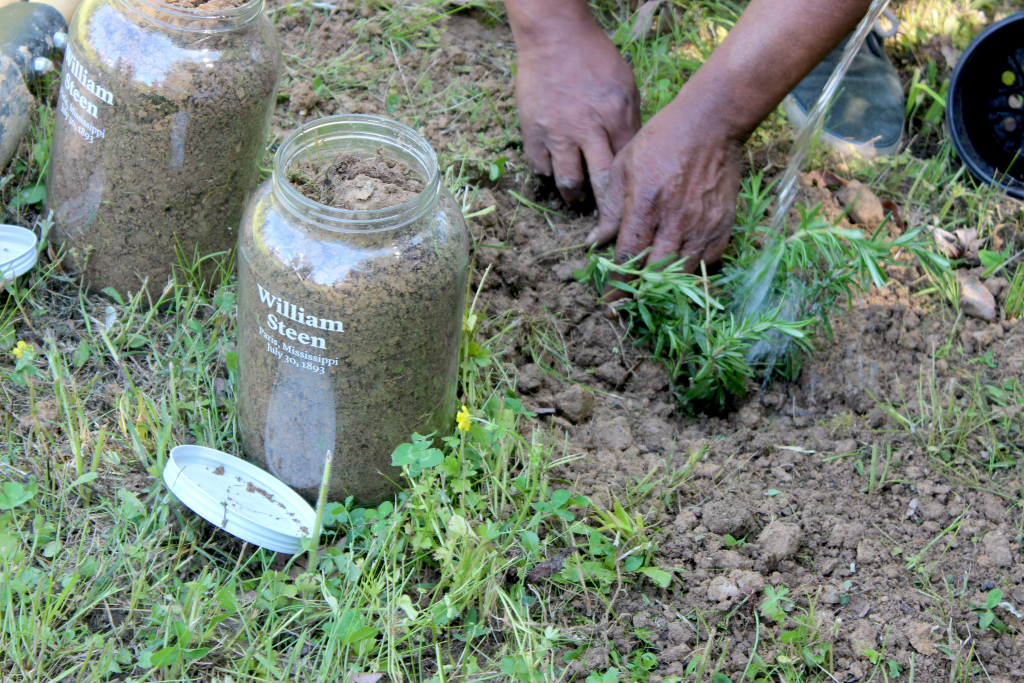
(162,122)
(352,266)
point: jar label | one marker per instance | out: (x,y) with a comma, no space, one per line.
(295,335)
(82,100)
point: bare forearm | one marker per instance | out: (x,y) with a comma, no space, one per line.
(773,46)
(535,21)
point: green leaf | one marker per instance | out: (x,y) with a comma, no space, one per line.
(85,479)
(658,576)
(113,294)
(633,562)
(985,619)
(771,493)
(28,197)
(350,628)
(995,596)
(13,494)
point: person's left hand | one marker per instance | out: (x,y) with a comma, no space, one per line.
(673,188)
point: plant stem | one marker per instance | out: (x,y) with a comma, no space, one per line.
(321,500)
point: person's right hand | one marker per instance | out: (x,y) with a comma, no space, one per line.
(578,102)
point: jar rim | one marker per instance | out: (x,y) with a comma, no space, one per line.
(232,17)
(383,132)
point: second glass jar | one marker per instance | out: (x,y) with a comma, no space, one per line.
(348,321)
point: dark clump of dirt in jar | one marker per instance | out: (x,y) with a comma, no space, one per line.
(156,169)
(389,372)
(356,183)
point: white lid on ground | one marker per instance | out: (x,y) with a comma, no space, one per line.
(240,498)
(17,251)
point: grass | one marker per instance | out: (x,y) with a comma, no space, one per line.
(491,565)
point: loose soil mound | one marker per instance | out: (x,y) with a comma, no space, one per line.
(355,183)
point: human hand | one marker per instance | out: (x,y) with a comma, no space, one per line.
(673,188)
(577,101)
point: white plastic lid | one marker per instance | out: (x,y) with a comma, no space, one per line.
(240,498)
(17,251)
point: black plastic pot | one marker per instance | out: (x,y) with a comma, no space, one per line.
(985,105)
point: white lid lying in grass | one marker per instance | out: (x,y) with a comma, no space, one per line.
(240,498)
(17,251)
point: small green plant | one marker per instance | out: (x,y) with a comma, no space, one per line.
(776,604)
(890,668)
(987,618)
(717,332)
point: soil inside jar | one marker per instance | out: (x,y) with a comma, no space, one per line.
(363,389)
(206,5)
(356,183)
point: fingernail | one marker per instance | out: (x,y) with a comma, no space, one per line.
(592,237)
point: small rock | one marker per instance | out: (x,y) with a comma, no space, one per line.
(722,588)
(975,300)
(577,404)
(985,337)
(865,207)
(779,540)
(726,517)
(997,547)
(747,581)
(612,372)
(530,378)
(920,636)
(615,433)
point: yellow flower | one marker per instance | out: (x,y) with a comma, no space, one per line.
(462,418)
(20,349)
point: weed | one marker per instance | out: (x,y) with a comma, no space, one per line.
(714,333)
(987,618)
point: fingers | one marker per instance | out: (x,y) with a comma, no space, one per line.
(567,164)
(610,208)
(537,156)
(598,154)
(639,223)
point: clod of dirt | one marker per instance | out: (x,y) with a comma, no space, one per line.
(864,637)
(997,548)
(219,470)
(747,581)
(722,588)
(864,205)
(530,378)
(975,300)
(302,98)
(356,183)
(577,404)
(920,636)
(779,540)
(549,567)
(615,433)
(207,5)
(727,517)
(612,372)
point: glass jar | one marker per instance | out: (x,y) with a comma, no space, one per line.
(348,321)
(162,123)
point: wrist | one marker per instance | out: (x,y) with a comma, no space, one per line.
(537,23)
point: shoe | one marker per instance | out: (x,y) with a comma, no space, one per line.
(866,116)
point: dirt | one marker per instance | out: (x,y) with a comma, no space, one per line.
(356,183)
(160,158)
(219,470)
(779,475)
(384,351)
(206,5)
